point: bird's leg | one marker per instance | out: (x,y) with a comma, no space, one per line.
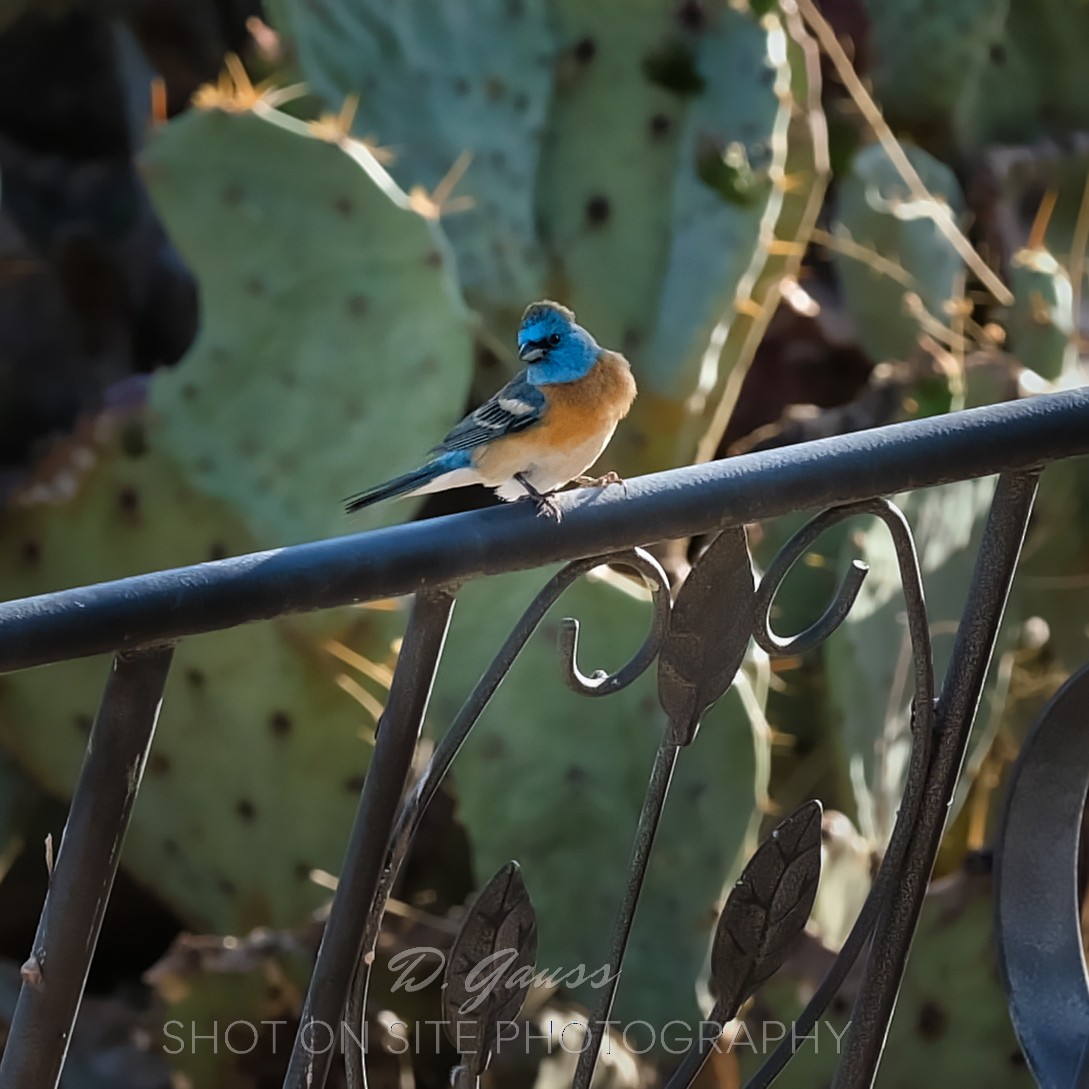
(546,505)
(610,477)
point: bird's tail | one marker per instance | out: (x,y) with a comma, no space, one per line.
(399,485)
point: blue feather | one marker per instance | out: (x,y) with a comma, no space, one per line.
(567,351)
(409,482)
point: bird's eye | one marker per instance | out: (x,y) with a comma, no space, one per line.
(554,339)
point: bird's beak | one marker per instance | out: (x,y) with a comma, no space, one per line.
(529,352)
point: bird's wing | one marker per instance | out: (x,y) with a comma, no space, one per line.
(516,406)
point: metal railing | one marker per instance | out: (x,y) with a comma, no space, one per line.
(698,642)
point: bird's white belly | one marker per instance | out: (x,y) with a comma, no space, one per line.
(552,471)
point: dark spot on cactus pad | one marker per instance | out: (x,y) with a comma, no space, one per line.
(288,380)
(245,809)
(461,86)
(691,14)
(158,764)
(696,791)
(133,440)
(83,723)
(128,499)
(255,286)
(1015,1058)
(30,551)
(515,9)
(933,1021)
(232,193)
(354,785)
(217,550)
(494,88)
(520,102)
(433,259)
(660,126)
(344,206)
(585,50)
(575,775)
(170,848)
(998,56)
(226,886)
(493,748)
(302,870)
(190,391)
(279,722)
(673,67)
(357,305)
(597,210)
(194,678)
(428,366)
(839,1005)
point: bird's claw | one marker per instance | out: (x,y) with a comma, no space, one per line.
(548,507)
(545,503)
(610,477)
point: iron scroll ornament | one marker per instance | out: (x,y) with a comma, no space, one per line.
(700,643)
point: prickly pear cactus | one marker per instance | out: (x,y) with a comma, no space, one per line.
(929,58)
(230,1007)
(555,780)
(332,330)
(1041,324)
(904,260)
(435,81)
(1035,79)
(334,348)
(578,125)
(951,1027)
(258,757)
(791,214)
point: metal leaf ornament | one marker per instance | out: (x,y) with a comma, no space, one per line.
(766,910)
(490,969)
(709,632)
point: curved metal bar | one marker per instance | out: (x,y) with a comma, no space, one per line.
(915,783)
(785,559)
(424,789)
(601,683)
(1037,928)
(972,650)
(922,726)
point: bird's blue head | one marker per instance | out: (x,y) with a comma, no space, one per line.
(553,345)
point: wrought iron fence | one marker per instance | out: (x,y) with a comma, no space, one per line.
(698,641)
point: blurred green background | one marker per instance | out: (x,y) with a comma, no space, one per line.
(255,257)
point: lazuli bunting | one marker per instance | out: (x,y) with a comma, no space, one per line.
(543,429)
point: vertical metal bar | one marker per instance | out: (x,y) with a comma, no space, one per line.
(56,972)
(665,761)
(342,943)
(956,710)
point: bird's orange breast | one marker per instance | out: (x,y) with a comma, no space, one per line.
(578,413)
(579,410)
